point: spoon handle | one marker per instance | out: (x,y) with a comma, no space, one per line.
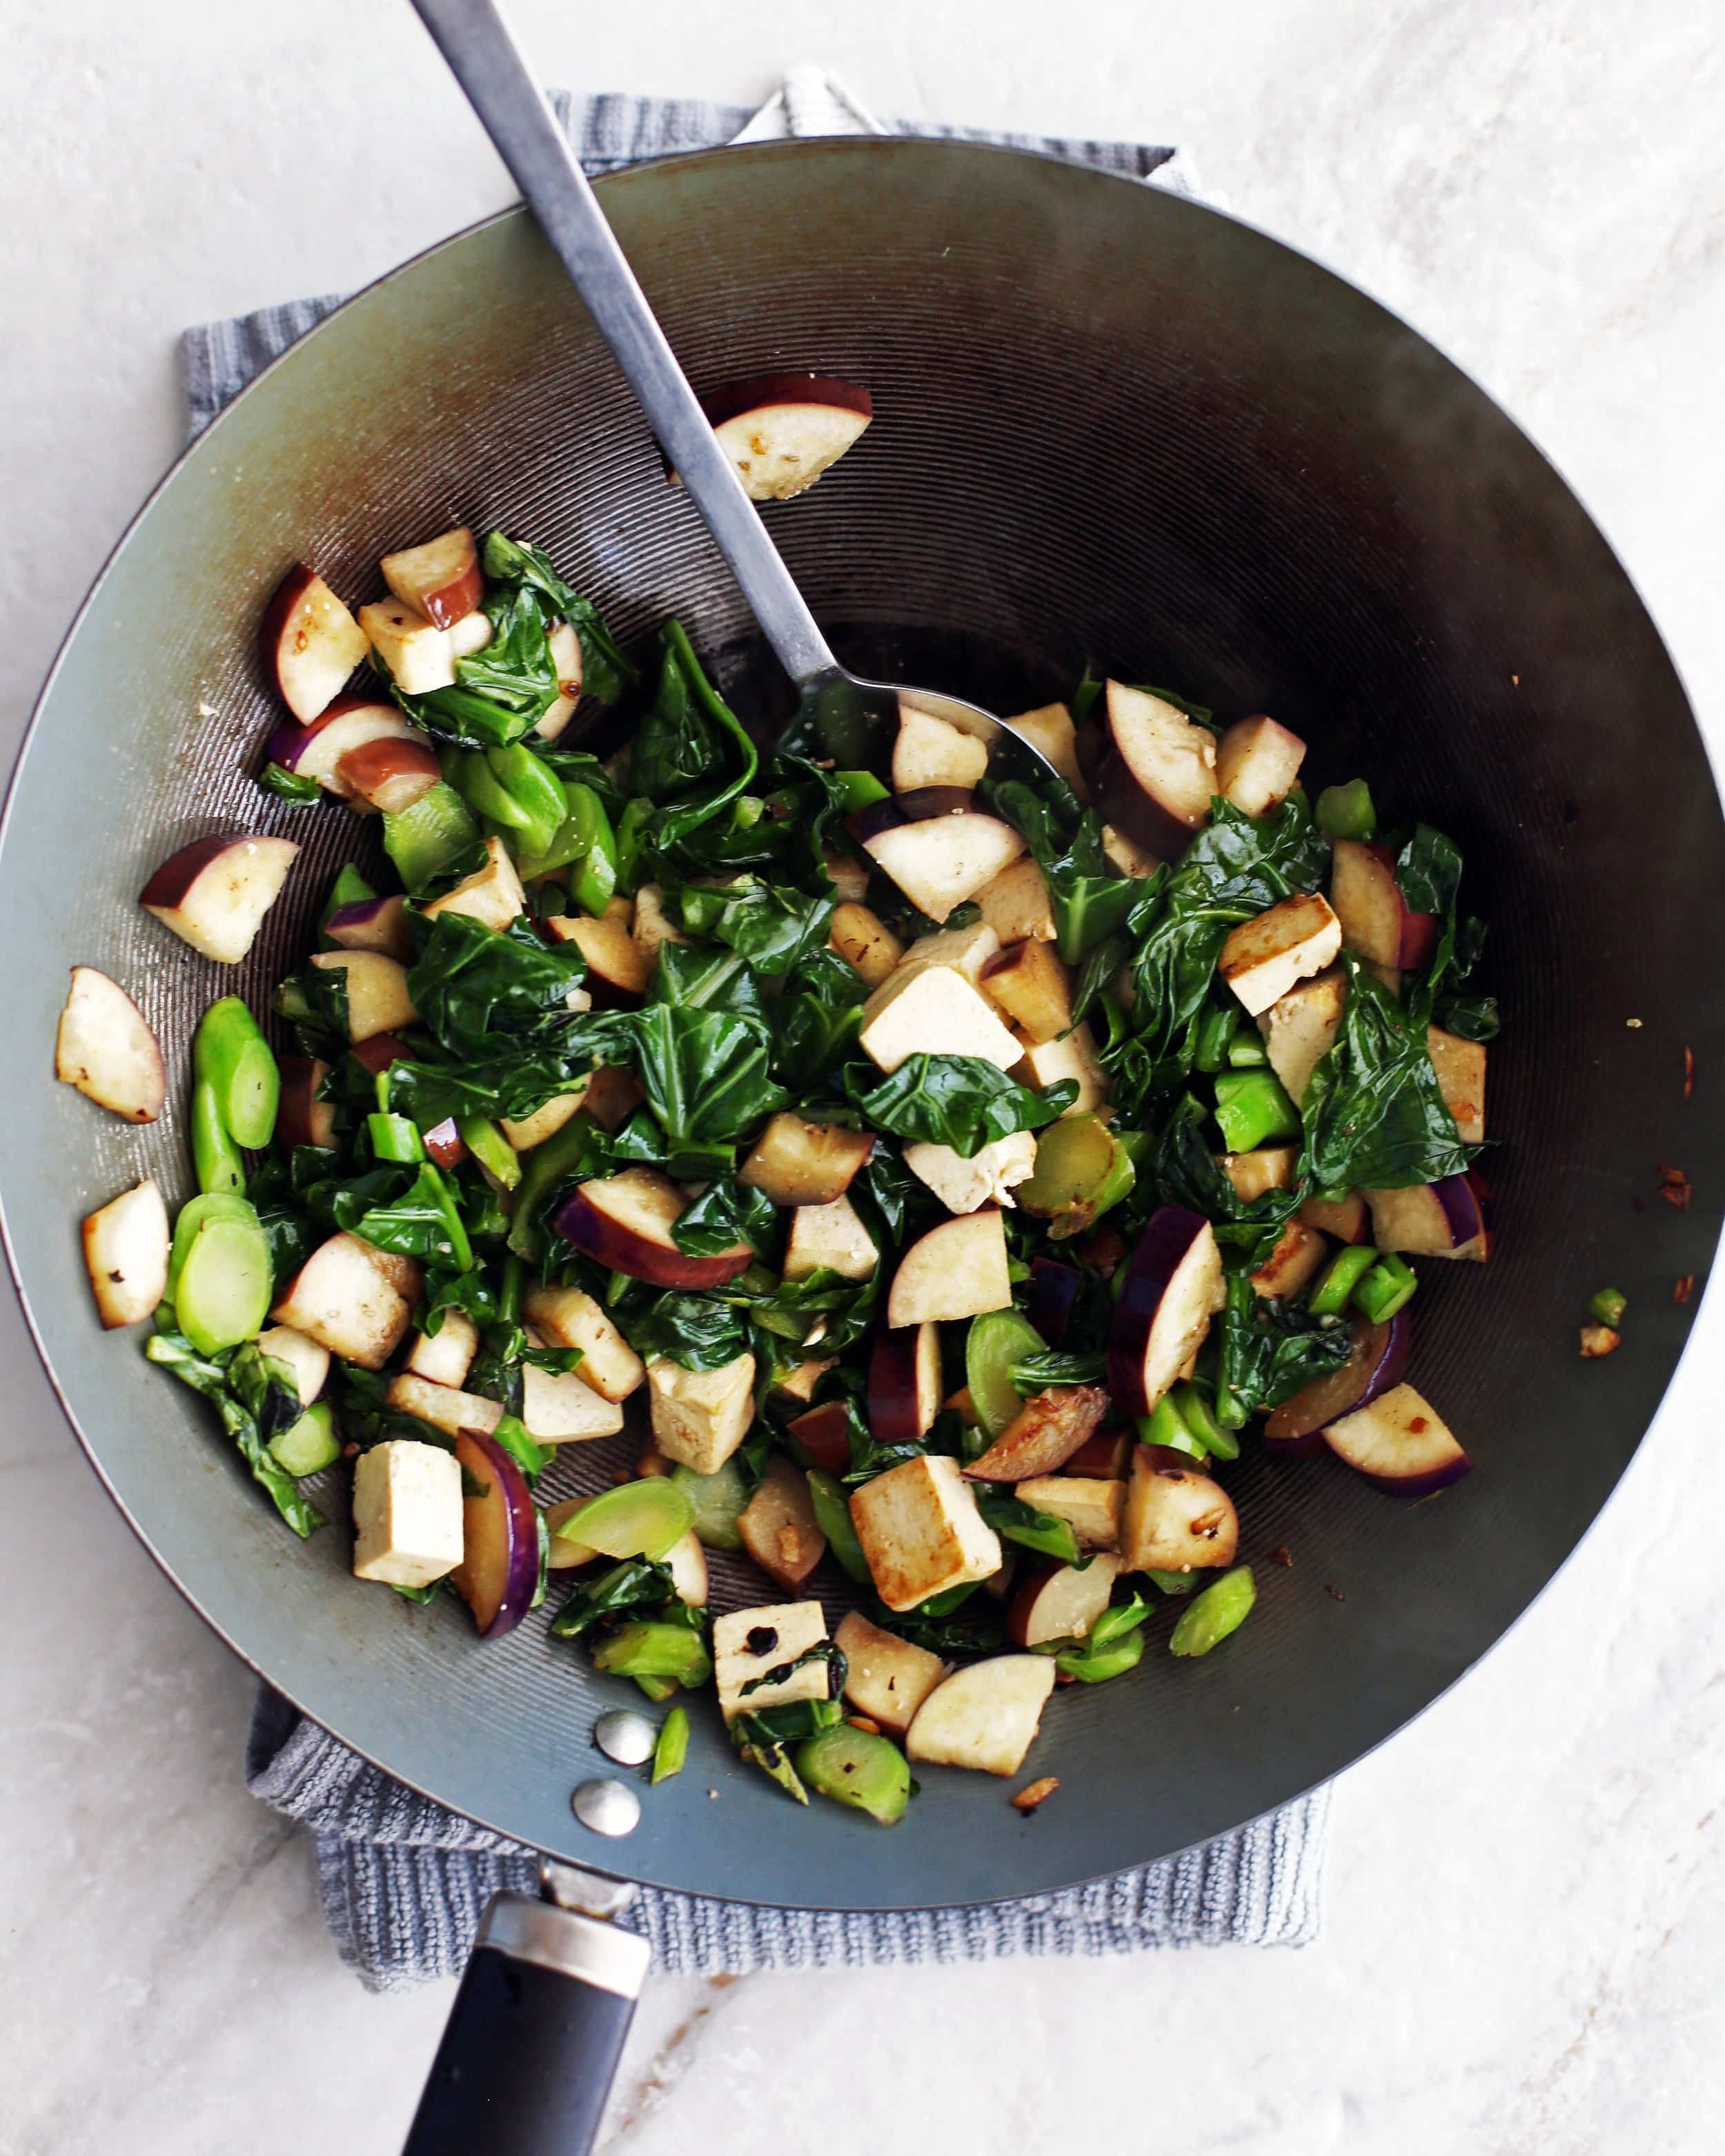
(488,64)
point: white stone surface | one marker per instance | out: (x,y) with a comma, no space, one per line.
(1525,1942)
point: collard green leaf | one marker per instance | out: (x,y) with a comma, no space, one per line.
(1268,1351)
(470,983)
(1373,1112)
(243,1388)
(963,1101)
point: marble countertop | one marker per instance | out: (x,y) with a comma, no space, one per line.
(1524,1943)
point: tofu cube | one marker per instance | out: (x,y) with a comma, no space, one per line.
(699,1417)
(888,1678)
(1033,989)
(406,1513)
(1264,958)
(1300,1029)
(1045,1063)
(748,1643)
(1016,905)
(418,654)
(927,1006)
(921,1531)
(1092,1505)
(965,1186)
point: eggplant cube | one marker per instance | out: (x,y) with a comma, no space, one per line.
(406,1513)
(921,1531)
(1299,1252)
(1092,1505)
(985,1716)
(445,1407)
(653,927)
(1461,1068)
(699,1417)
(943,860)
(1033,989)
(863,940)
(831,1237)
(798,1162)
(542,1124)
(419,653)
(1176,1519)
(1300,1029)
(986,1178)
(491,895)
(1125,856)
(1016,905)
(569,1317)
(344,1299)
(888,1678)
(558,1408)
(1257,763)
(1269,1167)
(1049,730)
(958,1270)
(1263,958)
(444,1357)
(1042,1064)
(930,752)
(748,1643)
(126,1253)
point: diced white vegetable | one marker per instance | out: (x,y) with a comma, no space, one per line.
(307,1358)
(957,1270)
(1264,958)
(126,1253)
(921,1531)
(444,1357)
(445,1407)
(888,1677)
(570,1319)
(748,1643)
(986,1179)
(417,652)
(1042,1064)
(491,895)
(699,1417)
(1300,1029)
(406,1513)
(343,1298)
(985,1716)
(830,1236)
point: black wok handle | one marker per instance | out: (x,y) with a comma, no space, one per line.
(533,2039)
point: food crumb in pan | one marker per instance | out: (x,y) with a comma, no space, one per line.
(1597,1340)
(1035,1793)
(1683,1288)
(1674,1187)
(1335,1594)
(1688,1074)
(1633,1023)
(1282,1555)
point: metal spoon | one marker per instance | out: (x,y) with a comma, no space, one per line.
(843,716)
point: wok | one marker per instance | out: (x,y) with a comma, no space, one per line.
(1112,427)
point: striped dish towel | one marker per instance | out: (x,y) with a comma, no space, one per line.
(405,1882)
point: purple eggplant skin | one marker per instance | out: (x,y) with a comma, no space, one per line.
(1378,1362)
(1053,1297)
(499,1573)
(1168,1236)
(372,924)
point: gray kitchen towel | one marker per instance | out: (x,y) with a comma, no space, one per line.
(403,1881)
